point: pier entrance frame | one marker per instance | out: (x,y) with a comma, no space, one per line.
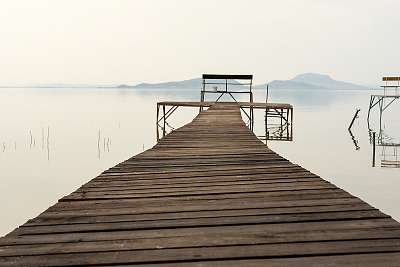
(231,85)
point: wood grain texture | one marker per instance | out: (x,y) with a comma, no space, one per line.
(208,194)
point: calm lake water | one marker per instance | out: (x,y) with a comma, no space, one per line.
(54,140)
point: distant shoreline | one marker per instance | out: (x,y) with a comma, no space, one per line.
(305,81)
(179,89)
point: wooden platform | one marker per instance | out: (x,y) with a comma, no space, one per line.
(208,194)
(387,96)
(255,105)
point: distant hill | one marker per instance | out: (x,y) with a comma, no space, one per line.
(195,83)
(302,81)
(313,81)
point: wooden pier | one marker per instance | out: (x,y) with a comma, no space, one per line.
(282,111)
(208,194)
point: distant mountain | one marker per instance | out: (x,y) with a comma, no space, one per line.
(302,81)
(313,81)
(195,83)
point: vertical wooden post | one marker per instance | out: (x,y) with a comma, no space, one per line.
(373,148)
(157,125)
(281,130)
(266,125)
(202,94)
(266,117)
(287,124)
(164,132)
(251,110)
(291,123)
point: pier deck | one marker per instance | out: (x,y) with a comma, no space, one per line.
(280,111)
(255,105)
(208,194)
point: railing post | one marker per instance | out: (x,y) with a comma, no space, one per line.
(373,148)
(158,125)
(164,121)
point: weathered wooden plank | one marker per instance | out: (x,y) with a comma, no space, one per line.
(208,221)
(352,260)
(99,195)
(211,188)
(194,185)
(349,208)
(128,175)
(207,253)
(216,200)
(231,204)
(280,231)
(275,167)
(171,182)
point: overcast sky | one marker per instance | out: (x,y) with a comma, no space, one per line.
(116,41)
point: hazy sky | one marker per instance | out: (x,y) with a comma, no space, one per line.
(116,41)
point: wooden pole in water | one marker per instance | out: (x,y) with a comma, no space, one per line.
(354,118)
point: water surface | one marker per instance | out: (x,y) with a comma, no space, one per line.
(54,140)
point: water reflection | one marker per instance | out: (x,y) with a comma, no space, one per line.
(104,143)
(278,125)
(48,143)
(11,146)
(383,144)
(388,145)
(354,139)
(389,149)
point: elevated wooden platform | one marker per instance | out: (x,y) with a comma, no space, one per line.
(282,111)
(208,194)
(386,96)
(255,105)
